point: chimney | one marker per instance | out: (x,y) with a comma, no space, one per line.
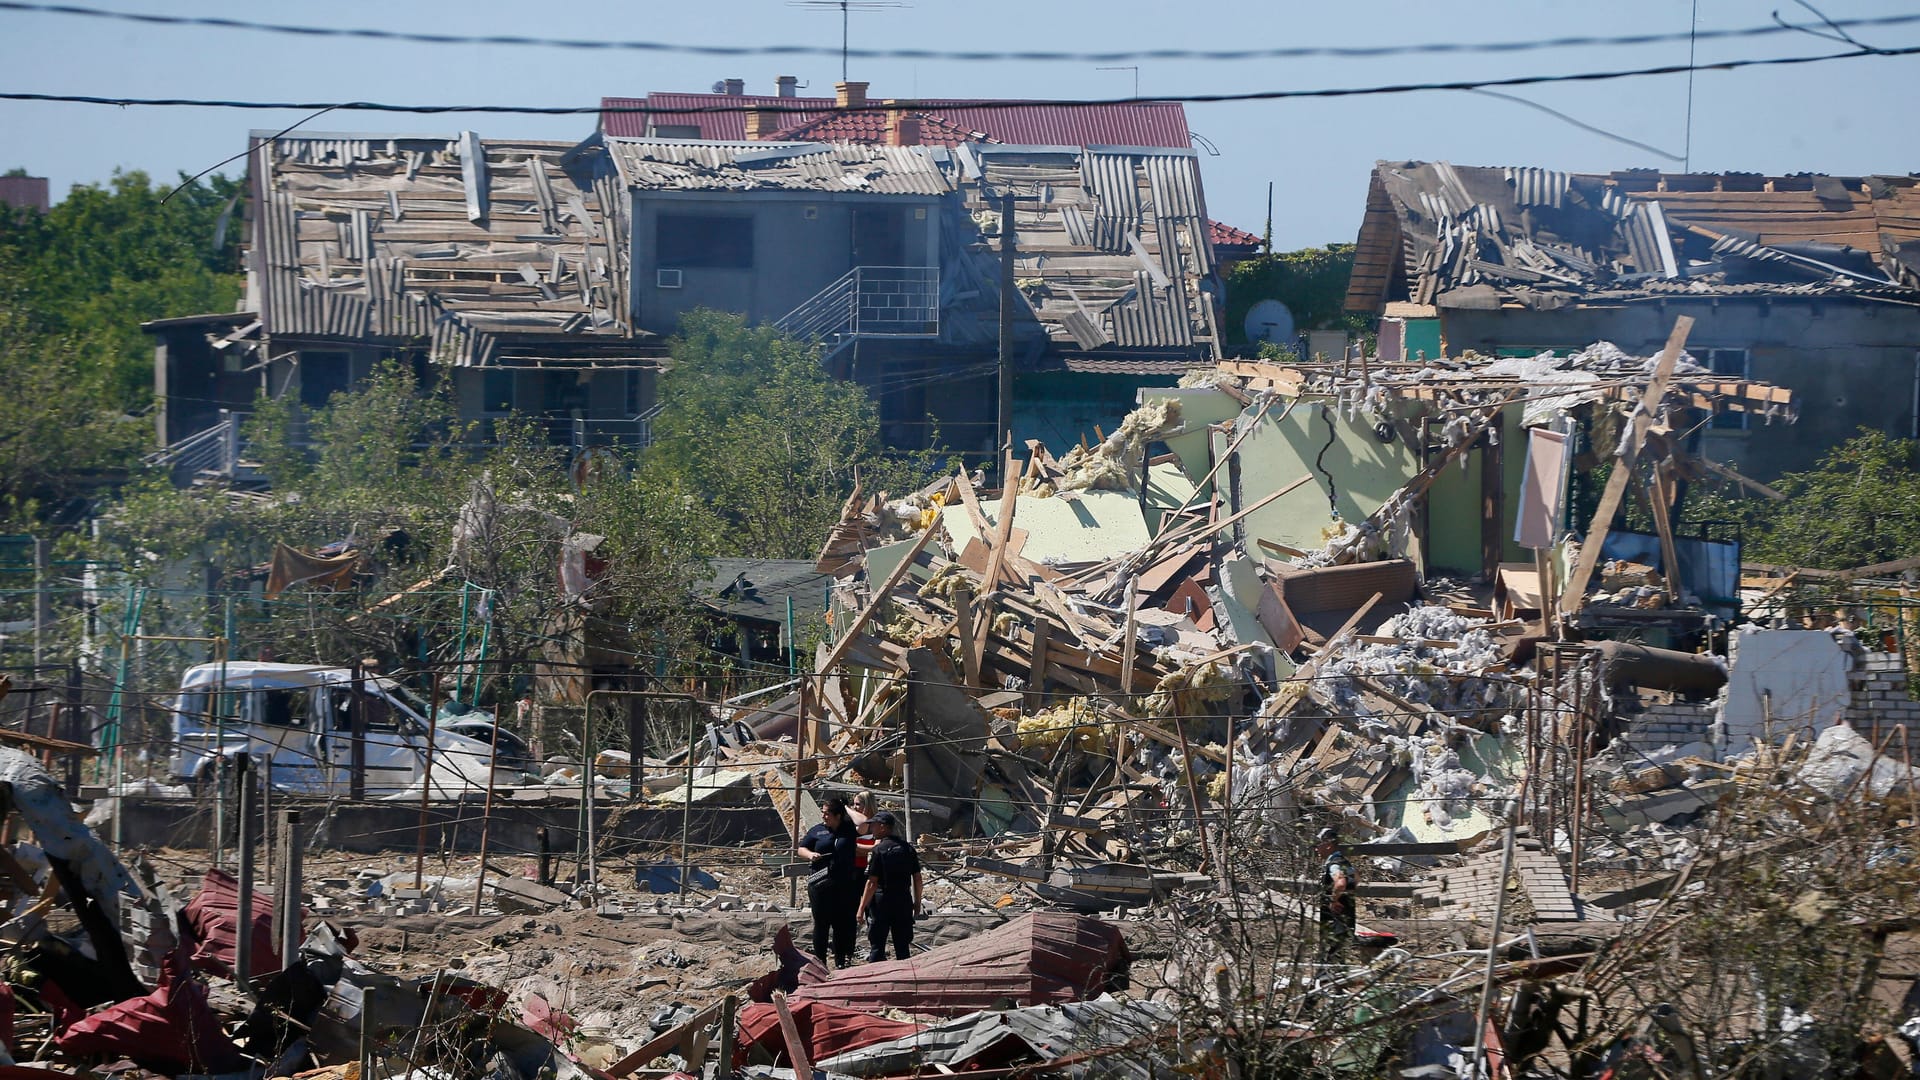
(762,123)
(850,95)
(734,87)
(903,128)
(789,85)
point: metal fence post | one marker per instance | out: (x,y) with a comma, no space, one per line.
(243,907)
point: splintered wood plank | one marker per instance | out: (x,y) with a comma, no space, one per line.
(1575,595)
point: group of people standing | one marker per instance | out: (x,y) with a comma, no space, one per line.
(861,870)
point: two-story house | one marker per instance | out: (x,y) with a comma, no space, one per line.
(497,265)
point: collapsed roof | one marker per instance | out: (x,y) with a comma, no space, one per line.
(1464,237)
(464,242)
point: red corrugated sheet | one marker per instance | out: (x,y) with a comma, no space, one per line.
(170,1031)
(213,914)
(826,1028)
(1037,958)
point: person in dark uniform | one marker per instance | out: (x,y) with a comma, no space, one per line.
(833,884)
(1337,900)
(892,898)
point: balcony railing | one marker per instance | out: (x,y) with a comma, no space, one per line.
(870,301)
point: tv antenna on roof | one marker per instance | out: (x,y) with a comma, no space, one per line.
(846,8)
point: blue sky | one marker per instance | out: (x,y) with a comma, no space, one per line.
(1846,117)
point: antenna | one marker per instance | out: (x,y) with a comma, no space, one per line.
(846,8)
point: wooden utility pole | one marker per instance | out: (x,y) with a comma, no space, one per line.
(1004,438)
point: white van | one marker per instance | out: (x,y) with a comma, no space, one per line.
(296,722)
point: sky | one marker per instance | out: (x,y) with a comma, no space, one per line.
(1845,117)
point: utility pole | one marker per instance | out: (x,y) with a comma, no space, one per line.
(1005,436)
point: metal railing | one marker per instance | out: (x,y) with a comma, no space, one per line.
(221,450)
(214,449)
(870,301)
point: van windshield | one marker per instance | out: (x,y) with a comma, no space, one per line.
(404,696)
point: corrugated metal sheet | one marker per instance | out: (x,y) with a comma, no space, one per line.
(1114,247)
(369,239)
(670,165)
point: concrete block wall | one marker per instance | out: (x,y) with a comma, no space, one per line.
(1675,724)
(1879,700)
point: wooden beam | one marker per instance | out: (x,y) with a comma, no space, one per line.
(790,1033)
(1037,666)
(1002,530)
(1660,495)
(1575,594)
(874,602)
(665,1041)
(971,646)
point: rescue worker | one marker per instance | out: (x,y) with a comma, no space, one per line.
(1337,901)
(892,898)
(833,885)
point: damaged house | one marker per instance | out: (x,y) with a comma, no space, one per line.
(1059,392)
(497,264)
(1808,282)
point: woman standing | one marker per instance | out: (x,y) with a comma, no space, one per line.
(833,887)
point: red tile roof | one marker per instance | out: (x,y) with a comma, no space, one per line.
(1152,123)
(870,126)
(1225,235)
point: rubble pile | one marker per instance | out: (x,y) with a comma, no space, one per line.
(1133,707)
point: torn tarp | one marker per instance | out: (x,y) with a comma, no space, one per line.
(291,567)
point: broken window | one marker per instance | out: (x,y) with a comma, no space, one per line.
(283,708)
(496,391)
(1733,363)
(703,241)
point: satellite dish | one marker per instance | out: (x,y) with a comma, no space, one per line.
(1269,320)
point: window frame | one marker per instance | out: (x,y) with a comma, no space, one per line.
(706,243)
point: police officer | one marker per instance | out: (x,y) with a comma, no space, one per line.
(833,884)
(1337,881)
(892,898)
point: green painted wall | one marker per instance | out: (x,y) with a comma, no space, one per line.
(1199,407)
(1365,472)
(1453,516)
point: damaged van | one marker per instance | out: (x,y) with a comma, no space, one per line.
(296,721)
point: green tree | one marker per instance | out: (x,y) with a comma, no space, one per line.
(757,430)
(1860,505)
(387,464)
(75,284)
(1312,282)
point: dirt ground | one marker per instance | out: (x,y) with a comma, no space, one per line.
(616,966)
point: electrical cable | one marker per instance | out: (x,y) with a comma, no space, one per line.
(971,56)
(1010,103)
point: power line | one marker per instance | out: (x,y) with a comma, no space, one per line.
(1283,53)
(1193,99)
